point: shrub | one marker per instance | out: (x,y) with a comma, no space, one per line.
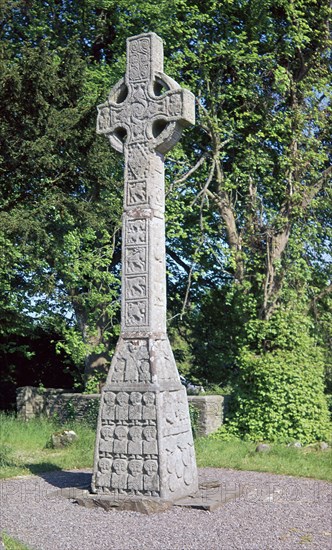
(280,391)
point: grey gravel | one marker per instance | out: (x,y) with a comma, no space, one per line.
(274,512)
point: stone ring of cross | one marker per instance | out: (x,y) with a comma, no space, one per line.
(146,106)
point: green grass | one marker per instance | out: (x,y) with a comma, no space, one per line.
(241,455)
(12,544)
(24,451)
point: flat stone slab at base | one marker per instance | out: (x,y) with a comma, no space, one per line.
(210,496)
(143,505)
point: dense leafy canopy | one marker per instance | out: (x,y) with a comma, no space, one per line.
(248,189)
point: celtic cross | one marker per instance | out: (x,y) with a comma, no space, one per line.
(144,445)
(143,118)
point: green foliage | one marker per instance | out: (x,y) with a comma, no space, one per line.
(70,411)
(248,191)
(29,454)
(194,415)
(6,458)
(280,390)
(93,383)
(329,404)
(27,450)
(11,543)
(92,411)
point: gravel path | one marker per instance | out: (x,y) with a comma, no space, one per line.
(274,512)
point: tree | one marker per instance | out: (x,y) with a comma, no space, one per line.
(249,197)
(261,73)
(60,235)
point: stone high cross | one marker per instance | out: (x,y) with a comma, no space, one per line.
(144,444)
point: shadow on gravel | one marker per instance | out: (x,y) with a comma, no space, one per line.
(61,479)
(42,468)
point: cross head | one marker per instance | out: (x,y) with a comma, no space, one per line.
(146,110)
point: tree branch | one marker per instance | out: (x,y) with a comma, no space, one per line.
(313,192)
(192,170)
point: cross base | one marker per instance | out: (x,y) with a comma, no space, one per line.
(144,443)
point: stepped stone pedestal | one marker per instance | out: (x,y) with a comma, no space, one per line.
(144,445)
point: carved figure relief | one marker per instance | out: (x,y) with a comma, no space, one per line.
(106,441)
(136,231)
(164,362)
(135,407)
(131,359)
(150,443)
(137,192)
(108,411)
(139,92)
(103,477)
(119,368)
(135,442)
(136,313)
(121,409)
(135,477)
(136,287)
(151,477)
(144,370)
(119,476)
(149,407)
(120,441)
(136,260)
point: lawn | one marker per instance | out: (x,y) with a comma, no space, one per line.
(24,450)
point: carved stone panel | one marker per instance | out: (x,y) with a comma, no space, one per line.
(180,461)
(175,412)
(136,232)
(136,287)
(138,162)
(128,440)
(139,60)
(163,360)
(136,193)
(136,260)
(131,364)
(151,477)
(108,408)
(135,443)
(104,473)
(136,314)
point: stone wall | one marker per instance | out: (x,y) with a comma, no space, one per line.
(32,402)
(211,412)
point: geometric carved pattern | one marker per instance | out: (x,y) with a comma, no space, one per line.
(128,446)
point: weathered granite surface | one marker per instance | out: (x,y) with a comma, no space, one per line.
(144,443)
